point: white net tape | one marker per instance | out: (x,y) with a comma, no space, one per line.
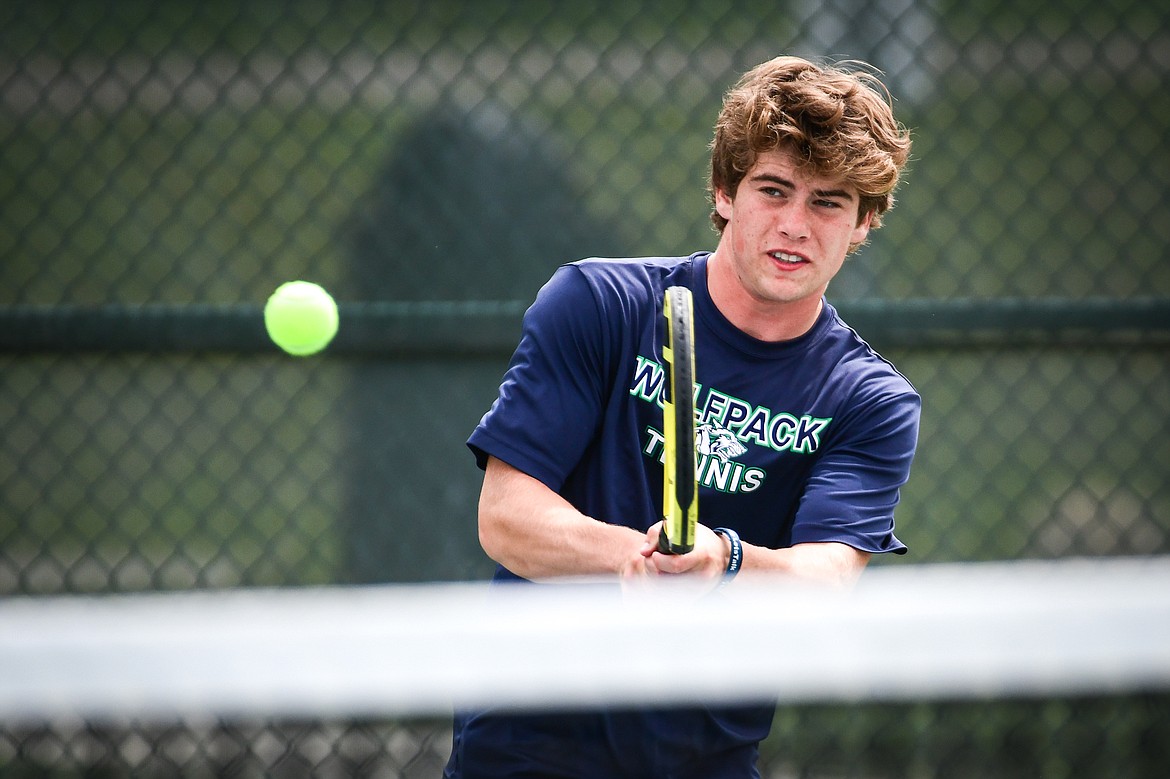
(972,630)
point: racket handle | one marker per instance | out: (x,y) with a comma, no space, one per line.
(666,547)
(663,541)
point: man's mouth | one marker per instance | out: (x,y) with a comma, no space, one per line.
(784,258)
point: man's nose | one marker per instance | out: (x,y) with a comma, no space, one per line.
(793,222)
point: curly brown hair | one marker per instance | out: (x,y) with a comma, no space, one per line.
(838,119)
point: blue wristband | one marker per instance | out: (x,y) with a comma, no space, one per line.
(736,559)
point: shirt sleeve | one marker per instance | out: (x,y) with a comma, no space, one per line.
(853,489)
(550,399)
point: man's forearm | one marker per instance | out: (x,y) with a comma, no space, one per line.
(834,564)
(537,534)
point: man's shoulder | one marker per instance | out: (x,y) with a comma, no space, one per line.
(631,268)
(864,364)
(635,278)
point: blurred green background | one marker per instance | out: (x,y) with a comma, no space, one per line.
(451,154)
(173,153)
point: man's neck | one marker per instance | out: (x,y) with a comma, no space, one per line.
(764,320)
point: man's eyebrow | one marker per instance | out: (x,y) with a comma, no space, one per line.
(772,177)
(841,193)
(783,182)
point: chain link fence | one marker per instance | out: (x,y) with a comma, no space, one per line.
(164,165)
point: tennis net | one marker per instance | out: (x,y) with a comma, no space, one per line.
(1013,665)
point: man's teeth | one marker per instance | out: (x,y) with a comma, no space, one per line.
(783,257)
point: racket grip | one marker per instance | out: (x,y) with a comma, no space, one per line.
(666,547)
(664,541)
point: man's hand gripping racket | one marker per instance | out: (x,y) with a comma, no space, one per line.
(680,494)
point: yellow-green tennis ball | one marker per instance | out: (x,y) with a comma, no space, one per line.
(301,317)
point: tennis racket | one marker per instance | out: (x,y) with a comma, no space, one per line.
(680,486)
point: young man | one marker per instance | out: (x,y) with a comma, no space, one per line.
(807,434)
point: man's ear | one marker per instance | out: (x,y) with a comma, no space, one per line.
(861,231)
(723,204)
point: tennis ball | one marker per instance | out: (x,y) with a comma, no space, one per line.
(301,317)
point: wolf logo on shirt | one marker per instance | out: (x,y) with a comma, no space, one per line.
(718,441)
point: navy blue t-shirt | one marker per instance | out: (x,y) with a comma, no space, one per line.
(807,440)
